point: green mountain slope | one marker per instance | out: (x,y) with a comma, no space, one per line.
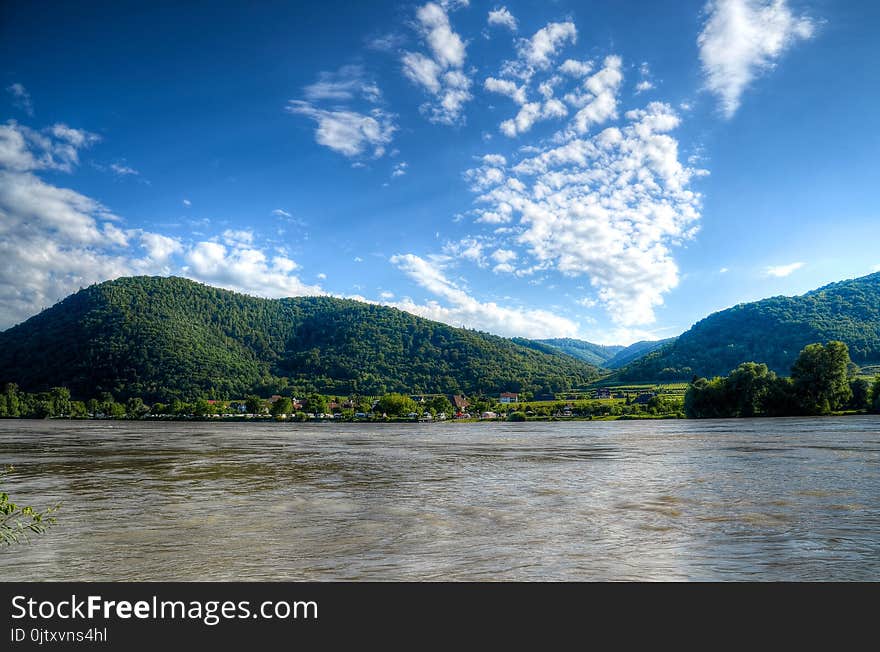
(161,338)
(594,354)
(772,331)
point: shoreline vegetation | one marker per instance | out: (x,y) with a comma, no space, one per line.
(823,381)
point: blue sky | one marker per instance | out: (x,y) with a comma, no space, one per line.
(613,171)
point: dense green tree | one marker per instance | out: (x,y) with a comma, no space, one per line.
(59,398)
(202,408)
(748,387)
(875,394)
(861,394)
(316,404)
(396,405)
(135,408)
(440,404)
(282,406)
(820,377)
(254,404)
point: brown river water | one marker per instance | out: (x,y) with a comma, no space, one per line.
(748,499)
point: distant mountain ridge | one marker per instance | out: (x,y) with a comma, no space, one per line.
(595,354)
(165,337)
(772,331)
(609,357)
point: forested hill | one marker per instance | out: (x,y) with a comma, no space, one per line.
(772,331)
(162,338)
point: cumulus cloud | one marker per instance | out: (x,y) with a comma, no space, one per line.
(442,73)
(245,269)
(591,95)
(54,148)
(506,87)
(348,132)
(462,309)
(781,271)
(609,207)
(598,96)
(21,98)
(539,51)
(742,39)
(501,16)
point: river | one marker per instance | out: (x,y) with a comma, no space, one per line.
(748,499)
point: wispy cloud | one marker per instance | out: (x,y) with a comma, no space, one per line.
(123,170)
(742,39)
(781,271)
(21,98)
(463,309)
(345,84)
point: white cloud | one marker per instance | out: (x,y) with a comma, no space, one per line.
(160,248)
(643,86)
(781,271)
(422,70)
(245,269)
(741,39)
(503,18)
(446,46)
(348,132)
(238,238)
(599,102)
(506,87)
(54,148)
(576,68)
(278,212)
(539,51)
(21,98)
(399,169)
(876,268)
(187,202)
(593,97)
(386,295)
(441,74)
(463,309)
(723,270)
(345,84)
(609,207)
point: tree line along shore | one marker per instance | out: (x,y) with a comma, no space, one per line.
(823,381)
